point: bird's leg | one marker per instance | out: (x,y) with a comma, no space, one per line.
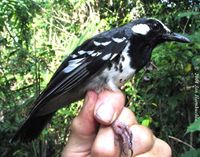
(125,136)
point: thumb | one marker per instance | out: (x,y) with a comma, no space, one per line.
(108,106)
(83,128)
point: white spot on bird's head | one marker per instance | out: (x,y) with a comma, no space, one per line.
(141,29)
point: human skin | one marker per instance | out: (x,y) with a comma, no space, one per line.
(92,134)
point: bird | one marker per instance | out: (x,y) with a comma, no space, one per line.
(105,61)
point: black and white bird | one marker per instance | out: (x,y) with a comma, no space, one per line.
(105,61)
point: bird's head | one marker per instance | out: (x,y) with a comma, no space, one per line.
(155,32)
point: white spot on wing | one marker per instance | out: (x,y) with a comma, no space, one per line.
(75,60)
(97,43)
(89,52)
(141,29)
(106,43)
(106,56)
(73,55)
(93,54)
(118,40)
(72,65)
(96,54)
(81,52)
(103,43)
(113,56)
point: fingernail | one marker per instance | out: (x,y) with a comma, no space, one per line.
(105,113)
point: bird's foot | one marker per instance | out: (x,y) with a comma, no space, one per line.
(125,136)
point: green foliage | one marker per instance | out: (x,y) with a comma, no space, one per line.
(191,153)
(35,36)
(195,126)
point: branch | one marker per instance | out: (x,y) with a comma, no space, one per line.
(180,141)
(22,88)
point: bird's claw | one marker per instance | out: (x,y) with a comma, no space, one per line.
(125,136)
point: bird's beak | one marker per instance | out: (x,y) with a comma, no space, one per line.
(175,37)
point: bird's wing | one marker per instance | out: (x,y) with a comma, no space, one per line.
(86,60)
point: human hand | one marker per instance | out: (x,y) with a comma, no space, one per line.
(92,135)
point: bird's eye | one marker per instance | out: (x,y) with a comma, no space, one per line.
(156,27)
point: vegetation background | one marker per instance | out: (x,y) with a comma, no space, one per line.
(36,35)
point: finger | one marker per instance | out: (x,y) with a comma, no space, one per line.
(127,117)
(143,139)
(83,129)
(106,143)
(160,148)
(108,107)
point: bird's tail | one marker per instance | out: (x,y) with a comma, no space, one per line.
(31,128)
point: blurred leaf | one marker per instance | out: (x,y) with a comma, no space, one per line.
(191,153)
(146,122)
(196,60)
(188,14)
(188,68)
(195,126)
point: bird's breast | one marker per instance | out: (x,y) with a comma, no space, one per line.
(118,73)
(114,75)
